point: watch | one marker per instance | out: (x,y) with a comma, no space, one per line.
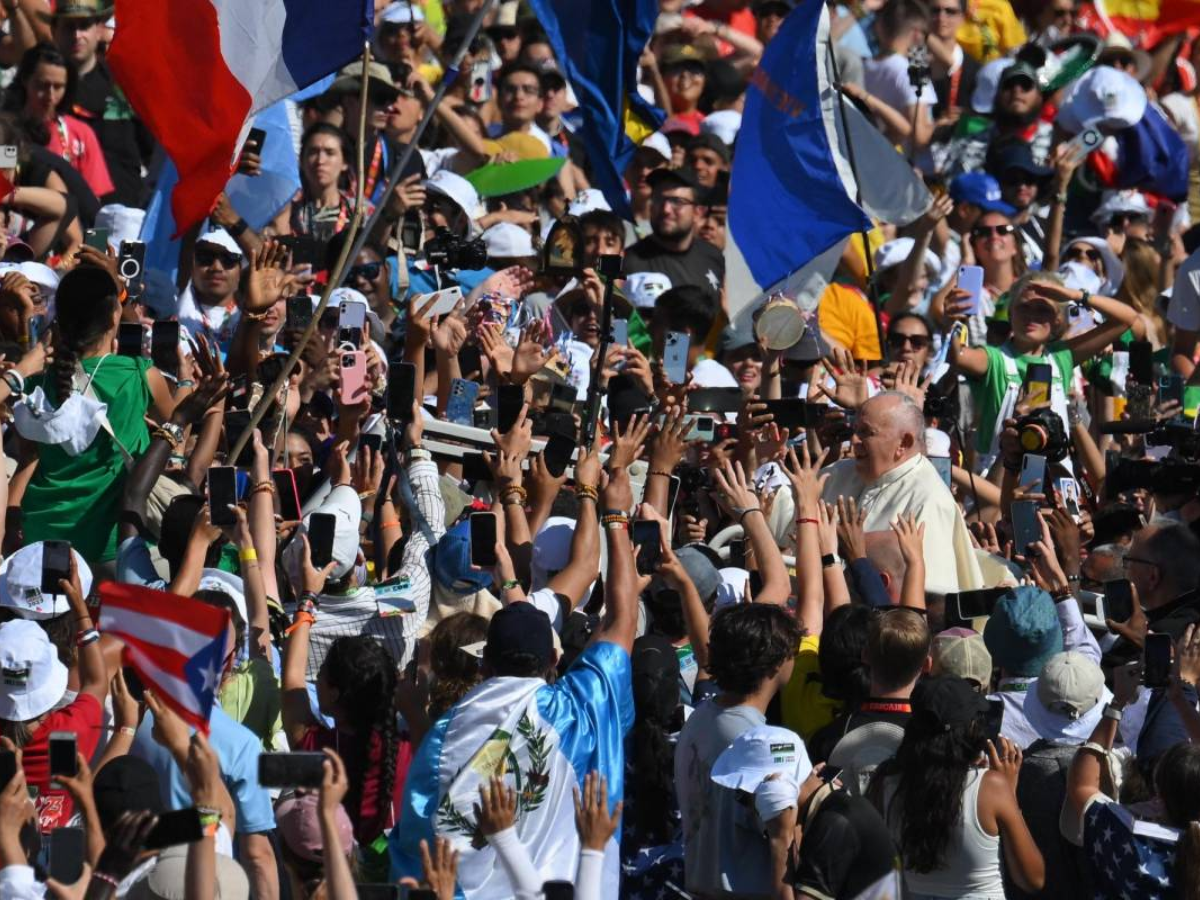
(829,560)
(1111,712)
(238,228)
(416,453)
(173,430)
(1085,299)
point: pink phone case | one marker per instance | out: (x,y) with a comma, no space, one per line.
(353,389)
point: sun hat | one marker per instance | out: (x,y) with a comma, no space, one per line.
(32,680)
(587,200)
(458,190)
(21,584)
(1066,703)
(1105,98)
(1114,269)
(1023,632)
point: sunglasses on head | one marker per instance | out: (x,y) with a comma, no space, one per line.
(983,231)
(367,271)
(898,339)
(206,255)
(1089,253)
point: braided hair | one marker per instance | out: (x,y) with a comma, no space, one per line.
(364,674)
(86,303)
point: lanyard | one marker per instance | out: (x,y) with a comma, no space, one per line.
(885,706)
(373,169)
(64,138)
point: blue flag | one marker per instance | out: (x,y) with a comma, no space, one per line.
(598,43)
(788,202)
(1153,157)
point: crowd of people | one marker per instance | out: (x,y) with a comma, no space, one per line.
(547,570)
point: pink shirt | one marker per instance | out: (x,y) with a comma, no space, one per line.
(82,150)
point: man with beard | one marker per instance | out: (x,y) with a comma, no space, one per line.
(1015,118)
(673,247)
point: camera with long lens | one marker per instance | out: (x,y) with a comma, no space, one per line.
(941,402)
(1169,476)
(1044,433)
(449,251)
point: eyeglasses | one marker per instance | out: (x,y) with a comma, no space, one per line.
(207,255)
(898,339)
(529,90)
(367,271)
(674,202)
(1089,253)
(985,231)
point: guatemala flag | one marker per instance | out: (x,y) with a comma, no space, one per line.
(793,198)
(175,644)
(543,739)
(197,71)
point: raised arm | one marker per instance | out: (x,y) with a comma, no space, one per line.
(296,710)
(911,537)
(620,588)
(807,482)
(776,584)
(584,562)
(339,879)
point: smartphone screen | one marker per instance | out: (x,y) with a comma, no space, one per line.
(164,347)
(675,357)
(970,279)
(993,720)
(401,391)
(509,400)
(558,890)
(558,453)
(1069,490)
(620,332)
(1156,666)
(289,497)
(974,604)
(222,495)
(56,566)
(290,770)
(63,759)
(1027,525)
(351,319)
(255,138)
(737,553)
(130,337)
(647,538)
(1033,473)
(1170,388)
(299,312)
(475,469)
(180,826)
(321,529)
(1037,384)
(1118,600)
(237,421)
(67,847)
(483,539)
(1141,362)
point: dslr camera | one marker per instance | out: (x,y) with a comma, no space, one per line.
(1043,432)
(449,251)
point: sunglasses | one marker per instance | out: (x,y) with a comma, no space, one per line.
(897,341)
(984,231)
(1120,220)
(1018,177)
(206,256)
(1089,253)
(381,95)
(367,271)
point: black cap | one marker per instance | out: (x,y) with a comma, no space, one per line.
(710,142)
(126,784)
(1015,155)
(670,178)
(947,700)
(520,628)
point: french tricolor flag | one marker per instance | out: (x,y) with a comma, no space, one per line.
(196,72)
(176,645)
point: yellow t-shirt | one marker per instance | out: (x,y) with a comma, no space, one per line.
(846,316)
(991,30)
(805,709)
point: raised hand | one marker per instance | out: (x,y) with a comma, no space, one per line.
(851,387)
(496,810)
(592,818)
(911,538)
(628,444)
(268,277)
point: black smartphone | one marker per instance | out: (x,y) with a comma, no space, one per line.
(475,469)
(401,391)
(130,337)
(255,138)
(509,400)
(557,454)
(97,238)
(133,683)
(371,441)
(411,231)
(56,565)
(290,770)
(715,400)
(993,720)
(237,421)
(647,538)
(239,392)
(1141,362)
(67,846)
(131,262)
(970,605)
(180,826)
(1170,388)
(299,312)
(1118,600)
(483,539)
(164,347)
(1026,524)
(303,248)
(1156,664)
(561,890)
(737,553)
(289,497)
(563,397)
(63,754)
(794,413)
(321,529)
(469,360)
(222,495)
(411,894)
(8,767)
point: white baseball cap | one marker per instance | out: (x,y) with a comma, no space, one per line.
(987,82)
(21,584)
(587,200)
(403,13)
(1102,97)
(458,189)
(659,143)
(229,584)
(124,223)
(897,251)
(343,504)
(350,295)
(724,123)
(222,239)
(643,288)
(505,240)
(759,752)
(1113,202)
(32,679)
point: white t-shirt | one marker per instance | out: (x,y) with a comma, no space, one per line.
(887,79)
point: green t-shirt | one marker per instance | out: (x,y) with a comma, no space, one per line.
(77,498)
(988,392)
(252,697)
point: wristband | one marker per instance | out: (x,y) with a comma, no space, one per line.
(263,487)
(417,453)
(249,554)
(829,560)
(238,228)
(185,383)
(1111,712)
(614,512)
(1085,300)
(1095,748)
(127,731)
(254,317)
(308,597)
(394,523)
(15,381)
(84,638)
(742,513)
(659,472)
(303,617)
(807,521)
(509,584)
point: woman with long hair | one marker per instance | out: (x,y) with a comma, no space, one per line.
(949,797)
(1139,289)
(456,669)
(323,206)
(992,245)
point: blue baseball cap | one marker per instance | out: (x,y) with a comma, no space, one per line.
(1023,631)
(981,189)
(452,562)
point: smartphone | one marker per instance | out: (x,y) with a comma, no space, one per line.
(737,553)
(412,231)
(351,319)
(180,826)
(133,682)
(943,466)
(289,497)
(401,391)
(464,394)
(558,890)
(563,398)
(130,263)
(1086,141)
(620,332)
(164,347)
(63,754)
(291,770)
(1156,664)
(509,400)
(67,847)
(8,767)
(715,400)
(993,720)
(794,413)
(703,429)
(237,421)
(1033,473)
(1037,384)
(1170,388)
(444,301)
(1068,489)
(475,469)
(222,495)
(470,362)
(321,528)
(353,387)
(255,138)
(724,431)
(56,566)
(557,454)
(1027,525)
(130,339)
(974,604)
(672,493)
(98,238)
(1118,600)
(305,250)
(647,538)
(675,357)
(37,327)
(299,312)
(480,90)
(1141,362)
(239,392)
(483,539)
(371,441)
(970,278)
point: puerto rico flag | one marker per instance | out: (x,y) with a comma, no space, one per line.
(197,71)
(176,645)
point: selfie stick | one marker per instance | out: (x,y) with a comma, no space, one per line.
(871,287)
(269,395)
(591,407)
(448,79)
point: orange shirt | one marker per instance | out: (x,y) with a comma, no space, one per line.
(847,317)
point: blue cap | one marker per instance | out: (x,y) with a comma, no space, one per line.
(452,562)
(520,628)
(1023,631)
(981,189)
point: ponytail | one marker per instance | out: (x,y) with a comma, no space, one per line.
(66,361)
(1187,862)
(86,302)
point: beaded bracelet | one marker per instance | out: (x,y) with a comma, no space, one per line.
(509,584)
(107,879)
(255,317)
(265,486)
(514,490)
(587,490)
